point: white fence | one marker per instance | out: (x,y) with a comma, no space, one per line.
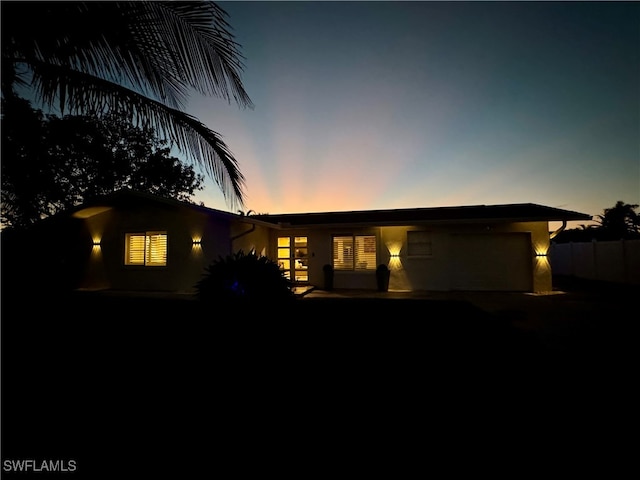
(616,261)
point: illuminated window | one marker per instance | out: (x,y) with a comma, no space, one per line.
(418,243)
(293,261)
(148,249)
(354,252)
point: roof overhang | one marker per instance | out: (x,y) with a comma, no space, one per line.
(476,214)
(90,211)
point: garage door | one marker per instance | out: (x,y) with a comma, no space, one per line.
(501,262)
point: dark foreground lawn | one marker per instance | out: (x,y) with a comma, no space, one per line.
(141,387)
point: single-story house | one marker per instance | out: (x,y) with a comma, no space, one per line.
(141,242)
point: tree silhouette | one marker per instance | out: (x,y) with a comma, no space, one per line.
(620,221)
(137,60)
(58,163)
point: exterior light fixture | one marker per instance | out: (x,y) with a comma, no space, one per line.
(95,250)
(196,247)
(394,248)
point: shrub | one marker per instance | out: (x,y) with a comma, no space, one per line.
(382,277)
(244,277)
(328,276)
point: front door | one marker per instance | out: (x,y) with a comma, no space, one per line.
(293,257)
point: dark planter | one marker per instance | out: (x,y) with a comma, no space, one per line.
(382,277)
(328,277)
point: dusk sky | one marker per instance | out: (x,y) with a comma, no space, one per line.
(381,105)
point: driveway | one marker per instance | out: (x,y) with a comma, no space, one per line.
(577,314)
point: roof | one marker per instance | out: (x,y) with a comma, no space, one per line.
(127,197)
(525,212)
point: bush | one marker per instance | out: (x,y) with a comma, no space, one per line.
(382,277)
(328,276)
(244,277)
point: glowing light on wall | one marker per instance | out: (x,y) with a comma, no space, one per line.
(196,246)
(542,266)
(394,255)
(540,248)
(541,252)
(96,246)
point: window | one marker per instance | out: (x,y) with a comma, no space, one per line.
(354,252)
(418,243)
(294,261)
(148,249)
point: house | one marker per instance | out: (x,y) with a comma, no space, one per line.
(141,242)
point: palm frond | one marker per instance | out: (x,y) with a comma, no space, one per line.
(139,59)
(160,49)
(199,32)
(82,93)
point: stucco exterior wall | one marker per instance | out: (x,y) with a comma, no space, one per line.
(186,259)
(250,237)
(319,241)
(437,271)
(440,271)
(540,242)
(480,256)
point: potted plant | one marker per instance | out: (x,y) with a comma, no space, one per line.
(328,276)
(382,277)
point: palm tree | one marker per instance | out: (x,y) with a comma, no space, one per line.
(139,60)
(620,221)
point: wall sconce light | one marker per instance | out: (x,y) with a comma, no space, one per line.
(541,254)
(394,248)
(196,246)
(95,251)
